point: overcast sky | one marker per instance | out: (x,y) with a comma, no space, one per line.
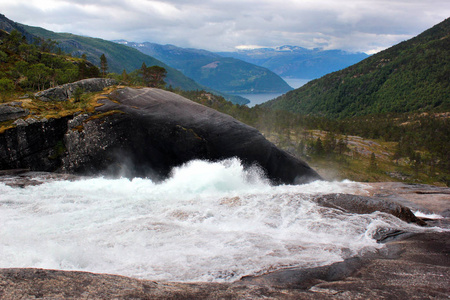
(223,25)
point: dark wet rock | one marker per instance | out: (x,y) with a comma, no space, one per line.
(147,132)
(35,145)
(13,172)
(297,278)
(418,197)
(420,270)
(66,91)
(446,213)
(366,205)
(142,133)
(10,112)
(21,178)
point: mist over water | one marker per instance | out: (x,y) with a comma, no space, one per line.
(208,222)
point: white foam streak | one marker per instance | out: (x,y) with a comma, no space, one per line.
(208,222)
(432,216)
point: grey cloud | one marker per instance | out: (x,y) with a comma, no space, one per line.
(362,25)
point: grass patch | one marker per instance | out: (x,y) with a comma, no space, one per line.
(85,103)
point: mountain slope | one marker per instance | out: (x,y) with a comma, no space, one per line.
(411,76)
(119,57)
(227,75)
(298,62)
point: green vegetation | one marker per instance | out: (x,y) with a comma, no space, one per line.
(412,76)
(30,67)
(103,65)
(153,76)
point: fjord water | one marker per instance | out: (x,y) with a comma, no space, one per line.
(208,222)
(259,98)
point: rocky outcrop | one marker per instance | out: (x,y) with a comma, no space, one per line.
(33,144)
(147,132)
(10,111)
(367,205)
(143,132)
(66,91)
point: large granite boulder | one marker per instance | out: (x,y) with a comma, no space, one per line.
(65,92)
(142,133)
(147,132)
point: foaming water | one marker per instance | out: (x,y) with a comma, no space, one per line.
(208,222)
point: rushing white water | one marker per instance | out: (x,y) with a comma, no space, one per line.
(208,222)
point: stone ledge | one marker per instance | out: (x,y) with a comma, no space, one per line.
(65,92)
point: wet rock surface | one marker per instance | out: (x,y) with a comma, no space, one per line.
(142,133)
(34,145)
(366,205)
(152,130)
(425,198)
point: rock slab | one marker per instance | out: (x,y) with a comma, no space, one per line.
(65,92)
(146,132)
(141,133)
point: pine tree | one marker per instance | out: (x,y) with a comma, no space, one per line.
(373,162)
(125,76)
(103,65)
(318,147)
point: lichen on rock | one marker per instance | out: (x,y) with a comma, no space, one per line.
(66,91)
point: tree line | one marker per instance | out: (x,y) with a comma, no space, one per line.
(37,66)
(30,67)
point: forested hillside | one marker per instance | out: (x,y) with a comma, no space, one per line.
(412,76)
(119,57)
(31,67)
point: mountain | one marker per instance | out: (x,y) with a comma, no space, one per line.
(119,57)
(408,77)
(298,62)
(226,74)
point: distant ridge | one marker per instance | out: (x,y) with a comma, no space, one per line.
(225,74)
(120,57)
(298,62)
(8,26)
(411,76)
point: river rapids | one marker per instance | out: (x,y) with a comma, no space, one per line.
(210,221)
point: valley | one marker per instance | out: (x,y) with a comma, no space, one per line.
(140,170)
